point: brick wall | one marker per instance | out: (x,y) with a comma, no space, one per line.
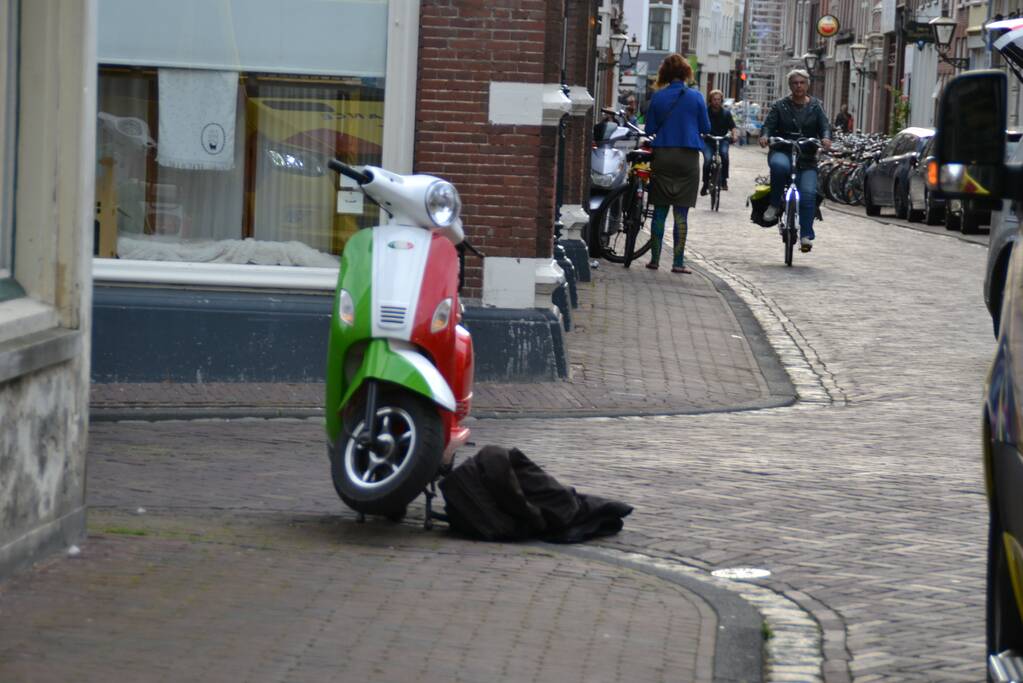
(505,174)
(580,57)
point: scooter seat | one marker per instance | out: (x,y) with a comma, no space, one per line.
(641,154)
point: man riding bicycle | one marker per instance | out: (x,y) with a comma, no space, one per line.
(797,116)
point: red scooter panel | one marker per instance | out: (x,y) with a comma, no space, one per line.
(440,282)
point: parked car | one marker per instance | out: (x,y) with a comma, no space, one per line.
(887,180)
(921,203)
(970,216)
(970,161)
(1004,236)
(973,215)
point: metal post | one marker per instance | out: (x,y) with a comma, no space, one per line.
(861,83)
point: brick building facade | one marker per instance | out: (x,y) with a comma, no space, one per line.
(506,172)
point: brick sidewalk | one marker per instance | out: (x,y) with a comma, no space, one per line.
(244,566)
(285,598)
(644,342)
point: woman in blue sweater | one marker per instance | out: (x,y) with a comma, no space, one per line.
(677,116)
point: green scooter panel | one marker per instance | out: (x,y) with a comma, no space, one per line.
(383,363)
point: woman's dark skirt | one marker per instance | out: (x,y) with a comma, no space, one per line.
(675,177)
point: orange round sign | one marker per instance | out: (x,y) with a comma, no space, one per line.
(827,26)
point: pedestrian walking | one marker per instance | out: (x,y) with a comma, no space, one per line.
(630,110)
(677,117)
(844,120)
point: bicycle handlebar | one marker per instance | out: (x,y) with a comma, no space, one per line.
(623,120)
(789,143)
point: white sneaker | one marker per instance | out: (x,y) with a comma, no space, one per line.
(805,244)
(771,215)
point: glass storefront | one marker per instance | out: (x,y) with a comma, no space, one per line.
(212,140)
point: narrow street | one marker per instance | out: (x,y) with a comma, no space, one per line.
(863,499)
(869,504)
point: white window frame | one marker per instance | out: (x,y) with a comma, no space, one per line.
(53,199)
(397,155)
(670,33)
(8,146)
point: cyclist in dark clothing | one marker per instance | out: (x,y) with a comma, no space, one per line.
(721,123)
(796,116)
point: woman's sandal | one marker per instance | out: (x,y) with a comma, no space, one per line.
(652,266)
(683,269)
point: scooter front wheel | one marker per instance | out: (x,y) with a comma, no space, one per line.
(383,477)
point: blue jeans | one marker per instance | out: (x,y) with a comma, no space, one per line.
(708,152)
(806,182)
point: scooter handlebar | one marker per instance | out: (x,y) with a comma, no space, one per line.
(346,170)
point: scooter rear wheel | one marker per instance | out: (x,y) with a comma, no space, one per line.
(404,458)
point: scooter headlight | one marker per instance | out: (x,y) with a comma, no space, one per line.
(441,316)
(345,308)
(442,203)
(601,179)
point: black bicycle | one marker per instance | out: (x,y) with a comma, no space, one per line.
(714,170)
(788,223)
(637,209)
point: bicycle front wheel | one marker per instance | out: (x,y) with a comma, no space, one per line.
(635,218)
(790,232)
(614,233)
(715,189)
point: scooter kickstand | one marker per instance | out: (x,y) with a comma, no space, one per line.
(430,492)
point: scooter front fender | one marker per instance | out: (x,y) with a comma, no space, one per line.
(400,363)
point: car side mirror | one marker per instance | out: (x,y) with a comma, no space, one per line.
(969,146)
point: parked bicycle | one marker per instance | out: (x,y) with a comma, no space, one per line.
(788,224)
(714,170)
(841,173)
(635,204)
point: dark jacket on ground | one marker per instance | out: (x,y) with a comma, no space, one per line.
(500,494)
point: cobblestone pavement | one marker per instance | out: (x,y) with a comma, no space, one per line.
(187,596)
(864,499)
(867,504)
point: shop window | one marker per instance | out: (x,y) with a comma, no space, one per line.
(660,29)
(8,146)
(236,171)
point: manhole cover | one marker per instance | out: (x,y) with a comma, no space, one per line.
(741,573)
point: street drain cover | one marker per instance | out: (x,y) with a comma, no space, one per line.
(741,573)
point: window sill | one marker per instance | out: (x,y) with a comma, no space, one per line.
(23,317)
(30,338)
(213,274)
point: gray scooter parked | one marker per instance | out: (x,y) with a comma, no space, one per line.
(613,139)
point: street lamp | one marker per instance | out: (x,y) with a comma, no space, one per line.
(810,59)
(618,41)
(633,48)
(858,51)
(942,28)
